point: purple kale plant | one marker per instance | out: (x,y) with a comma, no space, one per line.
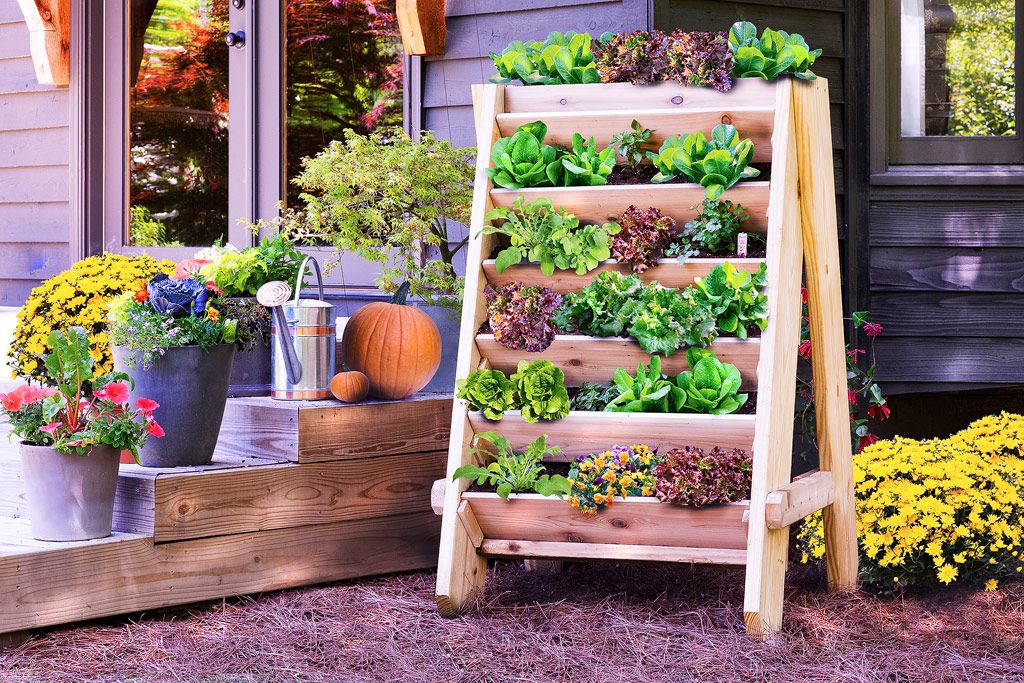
(701,58)
(689,476)
(644,237)
(177,298)
(521,317)
(638,57)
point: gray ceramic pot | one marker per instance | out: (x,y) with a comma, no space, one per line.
(191,386)
(250,373)
(70,497)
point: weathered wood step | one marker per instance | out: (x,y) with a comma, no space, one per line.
(239,495)
(321,431)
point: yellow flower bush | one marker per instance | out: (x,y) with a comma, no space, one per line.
(941,510)
(78,296)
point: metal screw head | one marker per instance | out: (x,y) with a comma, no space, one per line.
(678,99)
(238,4)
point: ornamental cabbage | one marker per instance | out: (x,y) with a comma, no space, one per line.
(177,298)
(488,391)
(717,164)
(540,391)
(710,386)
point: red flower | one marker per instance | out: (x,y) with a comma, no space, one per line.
(851,396)
(147,406)
(212,286)
(803,294)
(116,392)
(866,441)
(153,428)
(11,402)
(872,329)
(50,428)
(879,411)
(141,291)
(853,353)
(805,349)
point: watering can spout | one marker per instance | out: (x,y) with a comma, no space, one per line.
(273,295)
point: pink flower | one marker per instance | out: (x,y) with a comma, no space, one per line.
(32,395)
(11,402)
(156,430)
(212,286)
(147,406)
(805,349)
(50,428)
(853,354)
(116,392)
(872,329)
(188,267)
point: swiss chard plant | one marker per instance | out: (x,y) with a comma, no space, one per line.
(709,386)
(630,145)
(562,58)
(584,164)
(649,391)
(717,164)
(540,391)
(735,298)
(520,316)
(773,54)
(643,238)
(524,160)
(488,391)
(712,231)
(512,472)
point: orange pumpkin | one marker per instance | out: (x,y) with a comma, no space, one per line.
(397,346)
(350,387)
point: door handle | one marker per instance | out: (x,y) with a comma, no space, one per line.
(235,39)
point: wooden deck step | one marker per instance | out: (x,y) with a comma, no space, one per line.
(242,495)
(322,431)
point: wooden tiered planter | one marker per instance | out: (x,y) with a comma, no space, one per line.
(789,124)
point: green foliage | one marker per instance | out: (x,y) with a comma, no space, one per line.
(649,392)
(735,298)
(387,198)
(594,397)
(563,58)
(69,364)
(584,165)
(713,230)
(146,231)
(717,164)
(710,386)
(775,53)
(242,273)
(513,472)
(980,68)
(553,237)
(488,391)
(630,144)
(540,389)
(524,160)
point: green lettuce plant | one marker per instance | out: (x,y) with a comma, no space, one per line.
(585,165)
(709,386)
(523,160)
(562,58)
(513,472)
(540,391)
(488,391)
(774,54)
(649,392)
(550,236)
(735,298)
(717,164)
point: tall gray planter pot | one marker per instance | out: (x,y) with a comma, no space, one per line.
(70,497)
(191,386)
(250,375)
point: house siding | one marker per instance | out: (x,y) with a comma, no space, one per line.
(34,177)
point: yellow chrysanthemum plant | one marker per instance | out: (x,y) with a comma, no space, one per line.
(940,510)
(77,297)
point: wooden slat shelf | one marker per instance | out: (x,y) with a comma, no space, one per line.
(582,433)
(604,203)
(668,272)
(595,359)
(607,552)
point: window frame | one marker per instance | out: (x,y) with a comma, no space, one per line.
(895,156)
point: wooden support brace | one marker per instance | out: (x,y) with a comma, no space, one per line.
(789,504)
(611,552)
(469,523)
(49,30)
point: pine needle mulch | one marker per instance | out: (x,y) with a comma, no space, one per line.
(588,624)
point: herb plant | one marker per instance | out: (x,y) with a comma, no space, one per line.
(630,145)
(585,165)
(710,386)
(593,397)
(523,160)
(638,57)
(540,391)
(701,58)
(689,476)
(596,480)
(520,316)
(774,54)
(513,472)
(717,164)
(712,231)
(649,392)
(242,273)
(735,298)
(488,391)
(563,58)
(643,237)
(553,237)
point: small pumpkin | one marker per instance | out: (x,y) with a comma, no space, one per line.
(350,387)
(397,346)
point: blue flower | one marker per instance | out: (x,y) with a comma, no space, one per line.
(177,298)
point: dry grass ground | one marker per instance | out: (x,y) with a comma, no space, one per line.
(587,624)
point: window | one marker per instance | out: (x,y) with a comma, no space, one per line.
(949,81)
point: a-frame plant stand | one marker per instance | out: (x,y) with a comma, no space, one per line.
(789,124)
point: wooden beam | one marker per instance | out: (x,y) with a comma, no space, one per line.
(422,25)
(611,552)
(49,31)
(806,495)
(825,309)
(469,523)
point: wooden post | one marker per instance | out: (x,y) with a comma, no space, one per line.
(422,25)
(49,29)
(460,570)
(767,549)
(825,308)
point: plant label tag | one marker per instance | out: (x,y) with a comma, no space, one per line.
(741,245)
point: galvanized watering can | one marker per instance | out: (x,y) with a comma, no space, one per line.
(304,338)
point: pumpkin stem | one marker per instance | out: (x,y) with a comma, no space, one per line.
(401,294)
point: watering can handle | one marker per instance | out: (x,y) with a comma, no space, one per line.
(302,275)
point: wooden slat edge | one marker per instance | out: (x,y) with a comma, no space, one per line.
(806,495)
(608,551)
